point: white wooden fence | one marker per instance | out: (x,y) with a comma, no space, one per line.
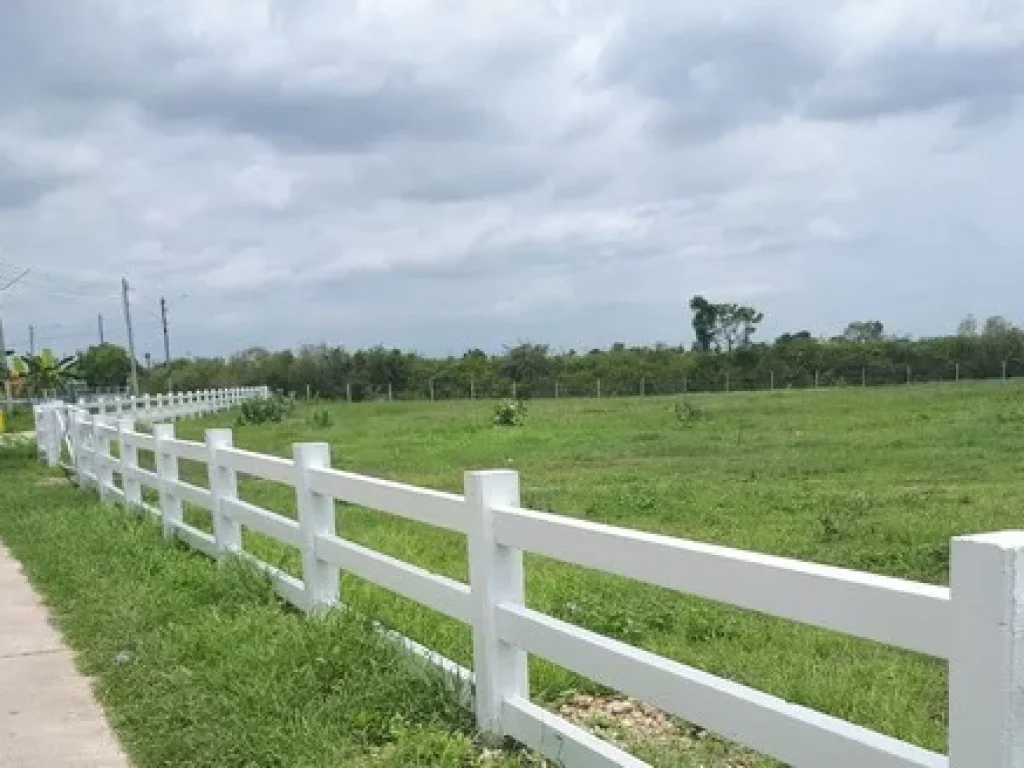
(53,419)
(977,624)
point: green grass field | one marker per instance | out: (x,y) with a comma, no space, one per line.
(202,666)
(877,480)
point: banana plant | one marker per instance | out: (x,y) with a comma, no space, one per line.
(45,372)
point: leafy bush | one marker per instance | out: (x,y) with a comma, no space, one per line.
(510,413)
(321,417)
(264,410)
(688,413)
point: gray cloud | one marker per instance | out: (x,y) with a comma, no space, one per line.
(21,187)
(984,80)
(708,78)
(440,175)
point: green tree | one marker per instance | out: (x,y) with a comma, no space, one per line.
(864,331)
(736,324)
(705,322)
(45,372)
(105,365)
(998,327)
(968,327)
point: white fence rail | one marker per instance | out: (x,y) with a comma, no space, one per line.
(977,624)
(53,420)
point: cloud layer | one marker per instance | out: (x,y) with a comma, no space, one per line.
(444,174)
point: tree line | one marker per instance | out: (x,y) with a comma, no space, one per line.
(724,356)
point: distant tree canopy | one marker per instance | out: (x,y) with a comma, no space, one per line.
(104,365)
(862,354)
(727,325)
(865,331)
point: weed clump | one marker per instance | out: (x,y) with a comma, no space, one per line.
(688,413)
(264,410)
(510,413)
(321,417)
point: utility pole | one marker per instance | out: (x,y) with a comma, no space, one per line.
(32,340)
(167,338)
(3,352)
(99,319)
(3,345)
(131,336)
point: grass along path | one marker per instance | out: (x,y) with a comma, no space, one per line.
(200,665)
(877,480)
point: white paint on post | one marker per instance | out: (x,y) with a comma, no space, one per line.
(316,518)
(496,577)
(167,470)
(129,462)
(227,531)
(104,460)
(986,666)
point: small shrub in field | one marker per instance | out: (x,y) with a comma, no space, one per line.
(264,410)
(321,418)
(510,413)
(688,413)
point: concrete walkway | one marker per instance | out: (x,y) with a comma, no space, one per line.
(48,715)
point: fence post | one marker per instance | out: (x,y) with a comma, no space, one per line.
(129,461)
(908,375)
(727,385)
(643,386)
(472,388)
(986,665)
(104,468)
(51,435)
(390,393)
(316,517)
(348,391)
(88,450)
(431,390)
(556,389)
(223,485)
(513,390)
(1004,370)
(771,380)
(598,389)
(167,469)
(496,576)
(863,376)
(75,433)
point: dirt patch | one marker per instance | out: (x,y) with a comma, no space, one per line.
(628,723)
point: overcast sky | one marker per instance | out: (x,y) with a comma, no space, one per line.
(441,175)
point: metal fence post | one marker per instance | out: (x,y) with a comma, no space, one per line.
(129,461)
(167,469)
(223,485)
(986,665)
(316,517)
(496,576)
